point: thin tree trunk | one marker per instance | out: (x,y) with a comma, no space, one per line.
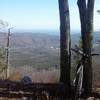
(64,42)
(86,18)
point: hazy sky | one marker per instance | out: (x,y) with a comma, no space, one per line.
(41,14)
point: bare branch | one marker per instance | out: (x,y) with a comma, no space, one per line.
(3,24)
(98,11)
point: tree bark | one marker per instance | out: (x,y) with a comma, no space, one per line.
(65,63)
(89,28)
(86,19)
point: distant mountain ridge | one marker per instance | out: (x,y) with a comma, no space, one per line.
(39,39)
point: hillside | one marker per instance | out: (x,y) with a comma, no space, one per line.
(36,50)
(29,52)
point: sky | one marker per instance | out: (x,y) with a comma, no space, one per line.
(41,14)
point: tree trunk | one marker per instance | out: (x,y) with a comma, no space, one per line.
(86,18)
(89,17)
(65,42)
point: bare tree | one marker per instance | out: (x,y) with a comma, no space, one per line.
(64,42)
(3,24)
(98,11)
(86,18)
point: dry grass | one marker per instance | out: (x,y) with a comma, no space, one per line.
(43,76)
